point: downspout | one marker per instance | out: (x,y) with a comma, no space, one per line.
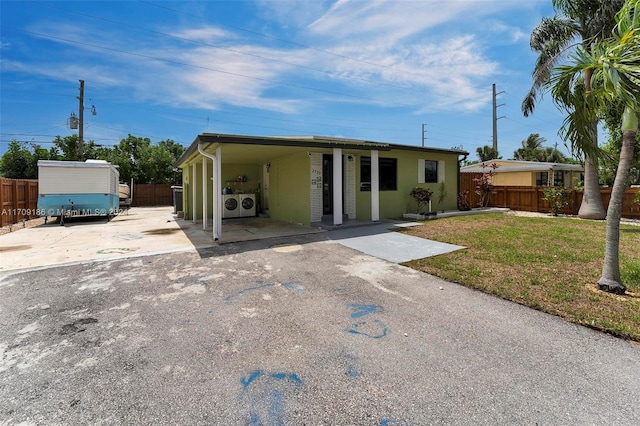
(205,201)
(217,198)
(193,193)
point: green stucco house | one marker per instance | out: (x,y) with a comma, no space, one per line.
(309,179)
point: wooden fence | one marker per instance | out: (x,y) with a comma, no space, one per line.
(19,200)
(151,194)
(531,198)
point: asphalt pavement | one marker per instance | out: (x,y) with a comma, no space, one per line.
(296,330)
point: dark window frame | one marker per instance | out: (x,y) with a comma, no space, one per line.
(388,174)
(430,171)
(542,179)
(558,178)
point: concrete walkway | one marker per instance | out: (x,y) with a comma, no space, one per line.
(380,241)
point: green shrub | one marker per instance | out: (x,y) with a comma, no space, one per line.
(557,197)
(422,197)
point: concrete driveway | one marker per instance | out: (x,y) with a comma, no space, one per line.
(294,330)
(156,230)
(141,231)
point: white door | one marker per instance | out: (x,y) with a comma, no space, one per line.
(265,186)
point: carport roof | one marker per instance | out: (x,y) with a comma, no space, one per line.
(301,142)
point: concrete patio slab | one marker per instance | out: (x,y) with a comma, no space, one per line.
(380,241)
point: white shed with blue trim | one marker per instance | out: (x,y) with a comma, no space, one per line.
(75,188)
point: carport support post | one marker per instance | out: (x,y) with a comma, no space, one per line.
(375,187)
(217,197)
(337,186)
(205,213)
(193,192)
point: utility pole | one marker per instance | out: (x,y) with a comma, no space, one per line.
(495,118)
(81,118)
(423,130)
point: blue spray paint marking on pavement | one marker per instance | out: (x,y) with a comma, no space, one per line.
(276,409)
(292,286)
(391,422)
(266,395)
(253,376)
(352,372)
(351,369)
(247,290)
(374,329)
(362,310)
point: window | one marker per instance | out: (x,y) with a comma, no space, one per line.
(388,171)
(430,171)
(542,179)
(558,178)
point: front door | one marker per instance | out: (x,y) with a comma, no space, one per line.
(327,184)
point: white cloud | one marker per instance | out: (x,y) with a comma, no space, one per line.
(203,34)
(514,34)
(395,41)
(292,13)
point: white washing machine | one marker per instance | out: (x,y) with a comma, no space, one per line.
(247,205)
(230,206)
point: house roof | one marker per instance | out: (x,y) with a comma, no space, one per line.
(520,166)
(316,142)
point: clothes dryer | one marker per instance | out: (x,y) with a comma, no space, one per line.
(247,205)
(231,206)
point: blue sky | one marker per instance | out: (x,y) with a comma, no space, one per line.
(373,70)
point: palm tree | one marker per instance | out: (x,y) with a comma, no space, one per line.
(487,153)
(589,20)
(531,147)
(614,66)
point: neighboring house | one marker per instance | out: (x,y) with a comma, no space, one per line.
(530,173)
(310,179)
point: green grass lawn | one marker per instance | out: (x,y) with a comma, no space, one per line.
(550,264)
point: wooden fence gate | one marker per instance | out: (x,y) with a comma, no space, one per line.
(151,194)
(18,199)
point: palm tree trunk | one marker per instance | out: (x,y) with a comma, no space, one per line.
(591,206)
(610,280)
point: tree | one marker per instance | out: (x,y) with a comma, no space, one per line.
(614,66)
(17,162)
(487,153)
(67,149)
(591,20)
(612,116)
(138,159)
(532,150)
